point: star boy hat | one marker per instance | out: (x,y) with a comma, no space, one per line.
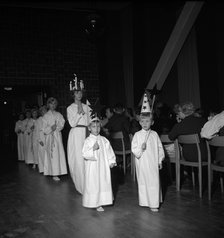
(76,84)
(145,105)
(94,116)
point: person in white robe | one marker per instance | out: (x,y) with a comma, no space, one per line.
(99,157)
(212,127)
(41,139)
(19,130)
(148,151)
(28,133)
(53,123)
(34,137)
(78,115)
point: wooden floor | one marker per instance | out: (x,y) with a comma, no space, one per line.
(32,205)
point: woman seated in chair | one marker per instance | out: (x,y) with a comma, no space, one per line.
(189,124)
(215,127)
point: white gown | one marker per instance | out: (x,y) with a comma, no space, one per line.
(20,139)
(97,181)
(76,139)
(41,149)
(35,142)
(54,161)
(147,167)
(28,141)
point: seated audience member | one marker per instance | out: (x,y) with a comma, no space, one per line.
(108,114)
(134,122)
(199,112)
(215,127)
(129,113)
(119,122)
(189,124)
(164,120)
(211,114)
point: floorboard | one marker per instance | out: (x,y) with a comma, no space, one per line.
(32,205)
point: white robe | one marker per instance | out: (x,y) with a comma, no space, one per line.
(76,139)
(54,161)
(28,139)
(97,186)
(35,142)
(19,130)
(41,149)
(213,126)
(147,167)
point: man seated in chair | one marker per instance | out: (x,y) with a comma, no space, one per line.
(215,127)
(189,124)
(119,122)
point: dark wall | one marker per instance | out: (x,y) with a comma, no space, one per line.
(153,24)
(42,47)
(207,57)
(210,38)
(40,50)
(110,61)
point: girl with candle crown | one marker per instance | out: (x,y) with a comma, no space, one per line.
(78,115)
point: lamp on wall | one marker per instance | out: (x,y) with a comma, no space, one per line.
(94,26)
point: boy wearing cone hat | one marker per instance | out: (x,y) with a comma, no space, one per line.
(149,153)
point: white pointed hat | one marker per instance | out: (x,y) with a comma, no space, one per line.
(145,105)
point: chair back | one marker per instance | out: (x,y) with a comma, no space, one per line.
(166,142)
(187,139)
(165,139)
(118,136)
(217,141)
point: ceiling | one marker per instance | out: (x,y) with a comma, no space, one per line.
(70,5)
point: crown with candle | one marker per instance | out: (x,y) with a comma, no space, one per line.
(145,104)
(76,84)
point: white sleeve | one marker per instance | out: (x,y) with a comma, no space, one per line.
(87,150)
(136,148)
(212,127)
(160,150)
(61,122)
(73,117)
(110,153)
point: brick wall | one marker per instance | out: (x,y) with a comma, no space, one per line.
(42,47)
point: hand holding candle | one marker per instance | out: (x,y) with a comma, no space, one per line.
(96,146)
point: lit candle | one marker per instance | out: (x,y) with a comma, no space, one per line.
(75,83)
(81,85)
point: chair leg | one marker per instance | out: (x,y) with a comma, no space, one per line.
(124,164)
(200,180)
(169,169)
(193,177)
(221,183)
(177,176)
(209,182)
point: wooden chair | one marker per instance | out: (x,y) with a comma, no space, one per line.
(119,136)
(169,159)
(190,139)
(217,141)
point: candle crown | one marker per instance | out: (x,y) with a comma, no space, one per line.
(76,84)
